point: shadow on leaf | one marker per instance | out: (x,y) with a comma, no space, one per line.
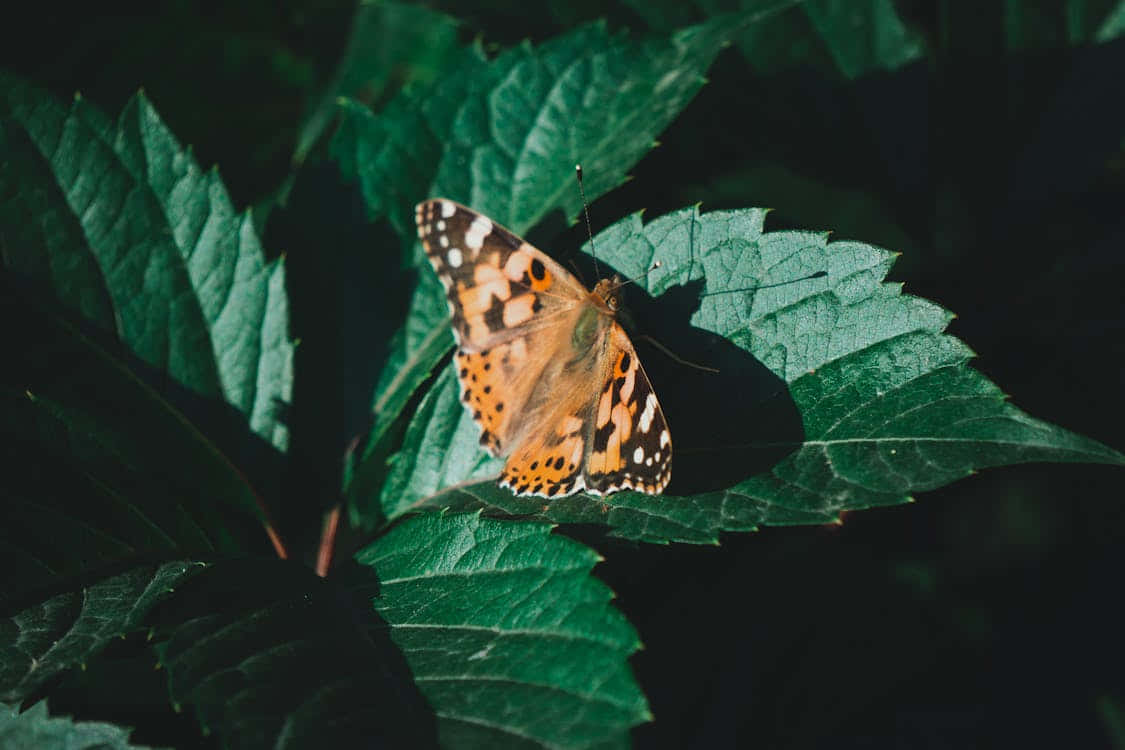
(726,425)
(264,650)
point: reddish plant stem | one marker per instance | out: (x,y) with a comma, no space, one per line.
(327,542)
(275,540)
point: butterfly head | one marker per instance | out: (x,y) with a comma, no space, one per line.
(608,293)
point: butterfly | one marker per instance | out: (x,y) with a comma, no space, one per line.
(546,371)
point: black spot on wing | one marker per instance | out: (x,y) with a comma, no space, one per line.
(494,315)
(601,437)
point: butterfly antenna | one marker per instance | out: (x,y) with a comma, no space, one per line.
(668,353)
(655,265)
(586,211)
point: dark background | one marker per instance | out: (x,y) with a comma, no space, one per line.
(988,613)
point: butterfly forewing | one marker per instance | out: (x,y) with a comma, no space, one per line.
(497,285)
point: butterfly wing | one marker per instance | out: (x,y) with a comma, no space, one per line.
(573,416)
(630,444)
(498,286)
(512,308)
(600,440)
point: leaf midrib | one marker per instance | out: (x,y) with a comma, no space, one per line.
(560,635)
(590,697)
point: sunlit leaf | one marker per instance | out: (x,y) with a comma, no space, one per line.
(835,392)
(509,637)
(119,222)
(34,728)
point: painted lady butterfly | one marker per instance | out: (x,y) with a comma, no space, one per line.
(546,370)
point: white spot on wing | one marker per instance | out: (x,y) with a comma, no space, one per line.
(454,257)
(638,455)
(440,225)
(448,209)
(647,415)
(665,438)
(444,241)
(480,227)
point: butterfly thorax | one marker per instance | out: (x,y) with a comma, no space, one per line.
(600,309)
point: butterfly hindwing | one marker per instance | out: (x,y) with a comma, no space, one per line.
(498,384)
(549,462)
(630,444)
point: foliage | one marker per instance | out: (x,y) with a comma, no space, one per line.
(156,461)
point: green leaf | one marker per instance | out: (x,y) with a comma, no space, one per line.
(834,393)
(509,637)
(390,44)
(1113,25)
(861,38)
(267,654)
(65,630)
(35,730)
(1028,26)
(85,488)
(503,136)
(122,225)
(1111,711)
(852,39)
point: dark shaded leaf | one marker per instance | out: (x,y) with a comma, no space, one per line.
(266,654)
(390,44)
(852,39)
(85,489)
(65,630)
